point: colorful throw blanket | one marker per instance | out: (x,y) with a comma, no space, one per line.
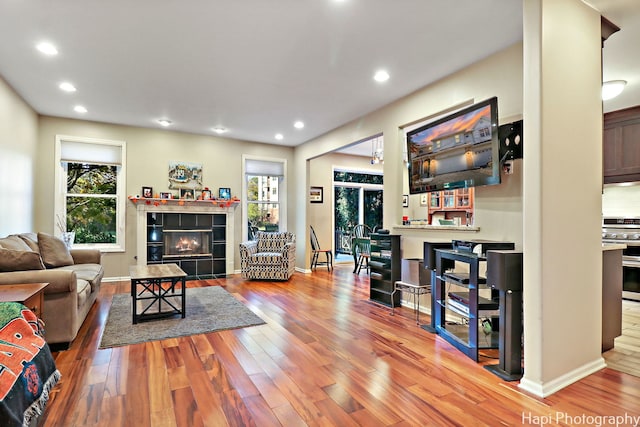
(27,369)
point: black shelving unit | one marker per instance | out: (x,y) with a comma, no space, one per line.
(385,268)
(459,306)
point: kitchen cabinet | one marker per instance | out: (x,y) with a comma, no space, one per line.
(451,203)
(621,146)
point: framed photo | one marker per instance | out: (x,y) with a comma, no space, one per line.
(165,195)
(423,199)
(206,194)
(224,193)
(405,200)
(187,194)
(316,194)
(147,192)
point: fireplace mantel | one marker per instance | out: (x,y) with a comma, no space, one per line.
(145,206)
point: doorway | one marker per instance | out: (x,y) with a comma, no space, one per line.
(355,203)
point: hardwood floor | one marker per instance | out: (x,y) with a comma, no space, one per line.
(625,355)
(325,357)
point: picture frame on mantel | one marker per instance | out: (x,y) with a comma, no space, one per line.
(316,194)
(405,200)
(224,193)
(147,192)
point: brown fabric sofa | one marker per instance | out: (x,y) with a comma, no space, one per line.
(74,279)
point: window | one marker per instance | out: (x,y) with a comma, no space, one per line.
(91,201)
(264,192)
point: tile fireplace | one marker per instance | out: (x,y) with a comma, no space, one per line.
(197,236)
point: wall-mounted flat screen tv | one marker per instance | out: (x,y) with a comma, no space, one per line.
(460,150)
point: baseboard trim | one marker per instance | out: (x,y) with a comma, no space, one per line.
(548,388)
(115,279)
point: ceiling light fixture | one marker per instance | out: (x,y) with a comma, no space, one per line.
(298,124)
(381,76)
(377,151)
(47,48)
(279,136)
(79,109)
(612,88)
(220,130)
(164,122)
(67,87)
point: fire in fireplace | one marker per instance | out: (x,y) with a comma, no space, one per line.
(187,243)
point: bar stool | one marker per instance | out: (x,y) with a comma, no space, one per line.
(415,291)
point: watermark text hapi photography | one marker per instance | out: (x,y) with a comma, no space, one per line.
(625,419)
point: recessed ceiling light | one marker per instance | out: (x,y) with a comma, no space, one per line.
(219,130)
(381,76)
(279,136)
(298,124)
(612,88)
(79,109)
(67,87)
(164,122)
(47,48)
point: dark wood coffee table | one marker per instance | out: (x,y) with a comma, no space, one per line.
(155,287)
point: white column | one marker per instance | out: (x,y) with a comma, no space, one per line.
(562,184)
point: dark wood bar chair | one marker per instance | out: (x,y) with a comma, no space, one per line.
(316,250)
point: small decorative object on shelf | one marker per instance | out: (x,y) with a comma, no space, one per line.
(186,194)
(147,192)
(68,237)
(165,195)
(233,201)
(206,194)
(224,193)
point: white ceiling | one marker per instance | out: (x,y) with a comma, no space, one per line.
(256,66)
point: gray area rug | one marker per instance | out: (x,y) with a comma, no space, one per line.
(208,309)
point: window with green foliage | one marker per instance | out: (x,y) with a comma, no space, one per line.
(91,202)
(263,206)
(356,177)
(90,196)
(264,193)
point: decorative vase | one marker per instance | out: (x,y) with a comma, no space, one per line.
(68,237)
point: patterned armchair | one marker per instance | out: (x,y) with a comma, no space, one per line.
(272,256)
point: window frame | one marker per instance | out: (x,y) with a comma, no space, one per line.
(282,192)
(61,190)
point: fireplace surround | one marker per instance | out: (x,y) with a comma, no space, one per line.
(196,235)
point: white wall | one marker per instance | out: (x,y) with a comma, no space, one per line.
(18,151)
(149,152)
(498,209)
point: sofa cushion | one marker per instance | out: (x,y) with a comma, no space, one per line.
(273,241)
(92,273)
(13,260)
(31,239)
(14,242)
(53,251)
(266,258)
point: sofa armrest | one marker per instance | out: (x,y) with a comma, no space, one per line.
(248,248)
(86,256)
(60,281)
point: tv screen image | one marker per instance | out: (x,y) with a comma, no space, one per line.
(457,151)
